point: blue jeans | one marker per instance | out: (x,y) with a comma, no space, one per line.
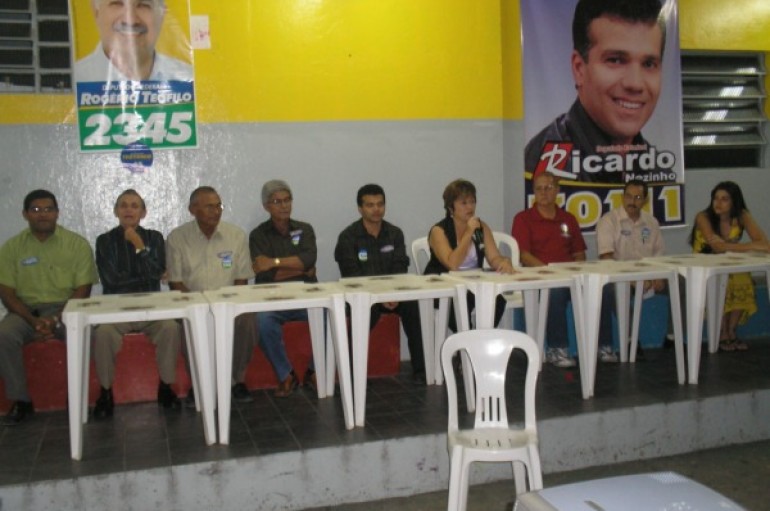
(271,338)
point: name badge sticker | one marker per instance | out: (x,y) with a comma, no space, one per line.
(646,234)
(363,255)
(295,236)
(30,261)
(387,248)
(226,258)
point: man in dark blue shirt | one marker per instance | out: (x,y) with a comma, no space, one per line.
(371,246)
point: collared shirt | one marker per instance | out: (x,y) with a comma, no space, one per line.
(46,271)
(577,128)
(359,254)
(122,269)
(626,239)
(265,240)
(96,67)
(555,240)
(206,264)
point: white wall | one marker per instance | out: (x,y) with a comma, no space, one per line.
(325,163)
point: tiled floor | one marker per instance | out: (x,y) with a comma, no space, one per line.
(143,436)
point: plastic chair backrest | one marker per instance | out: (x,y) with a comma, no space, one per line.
(489,352)
(508,246)
(420,253)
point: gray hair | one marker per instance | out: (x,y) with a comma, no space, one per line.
(273,186)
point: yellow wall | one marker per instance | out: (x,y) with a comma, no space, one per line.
(317,60)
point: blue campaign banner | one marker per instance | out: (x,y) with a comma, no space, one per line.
(602,96)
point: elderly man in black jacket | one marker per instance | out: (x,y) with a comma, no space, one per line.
(132,259)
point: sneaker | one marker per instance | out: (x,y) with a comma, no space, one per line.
(240,394)
(607,356)
(104,405)
(560,358)
(19,411)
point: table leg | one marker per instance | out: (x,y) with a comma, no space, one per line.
(359,321)
(696,287)
(340,341)
(531,304)
(592,300)
(198,318)
(638,298)
(441,320)
(485,305)
(224,320)
(77,372)
(622,299)
(429,345)
(676,317)
(315,319)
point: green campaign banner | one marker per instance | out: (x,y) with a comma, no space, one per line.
(133,74)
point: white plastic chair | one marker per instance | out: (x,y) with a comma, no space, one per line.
(492,438)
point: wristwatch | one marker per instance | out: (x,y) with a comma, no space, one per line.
(277,262)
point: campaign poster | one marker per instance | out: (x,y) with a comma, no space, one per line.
(602,96)
(133,74)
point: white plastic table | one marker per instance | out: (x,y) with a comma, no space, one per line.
(81,314)
(594,275)
(702,290)
(229,302)
(363,292)
(487,285)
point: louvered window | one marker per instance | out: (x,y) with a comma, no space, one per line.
(723,97)
(35,46)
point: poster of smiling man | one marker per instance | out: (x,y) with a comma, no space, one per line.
(602,93)
(133,73)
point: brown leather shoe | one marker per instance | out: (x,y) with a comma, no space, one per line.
(287,386)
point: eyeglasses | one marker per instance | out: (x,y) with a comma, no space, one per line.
(278,202)
(214,207)
(634,197)
(45,209)
(546,188)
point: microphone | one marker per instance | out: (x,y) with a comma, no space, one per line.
(478,238)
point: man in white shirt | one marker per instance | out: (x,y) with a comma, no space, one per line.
(128,32)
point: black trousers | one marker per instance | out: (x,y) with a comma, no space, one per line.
(410,319)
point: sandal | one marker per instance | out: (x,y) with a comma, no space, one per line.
(727,345)
(740,345)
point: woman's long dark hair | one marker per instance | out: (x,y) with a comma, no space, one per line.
(738,206)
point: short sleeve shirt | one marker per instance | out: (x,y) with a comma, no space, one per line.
(552,240)
(206,264)
(47,271)
(627,240)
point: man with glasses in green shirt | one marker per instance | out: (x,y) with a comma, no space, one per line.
(40,269)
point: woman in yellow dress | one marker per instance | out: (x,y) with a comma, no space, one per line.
(719,228)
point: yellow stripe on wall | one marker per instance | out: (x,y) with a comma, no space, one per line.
(330,60)
(308,60)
